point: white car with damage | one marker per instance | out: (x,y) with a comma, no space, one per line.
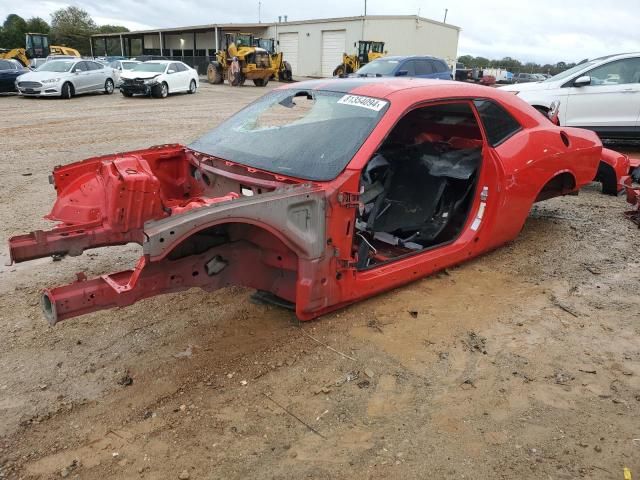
(159,78)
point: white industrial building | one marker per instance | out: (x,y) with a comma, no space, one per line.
(312,47)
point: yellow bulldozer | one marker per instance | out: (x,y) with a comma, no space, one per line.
(255,62)
(283,68)
(36,46)
(368,51)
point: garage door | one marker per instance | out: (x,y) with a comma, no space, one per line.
(333,46)
(289,49)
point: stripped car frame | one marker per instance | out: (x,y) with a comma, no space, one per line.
(206,220)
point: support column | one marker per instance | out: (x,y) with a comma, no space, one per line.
(121,46)
(217,41)
(91,46)
(160,33)
(105,46)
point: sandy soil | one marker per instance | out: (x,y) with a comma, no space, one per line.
(522,364)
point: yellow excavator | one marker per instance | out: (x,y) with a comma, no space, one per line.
(283,67)
(255,62)
(36,46)
(368,51)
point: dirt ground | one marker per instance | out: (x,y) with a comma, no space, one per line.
(522,364)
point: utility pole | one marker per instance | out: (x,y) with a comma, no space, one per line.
(446,10)
(363,20)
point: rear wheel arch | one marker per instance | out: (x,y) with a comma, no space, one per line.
(562,183)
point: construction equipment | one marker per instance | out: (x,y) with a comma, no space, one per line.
(368,51)
(15,54)
(277,59)
(36,46)
(255,62)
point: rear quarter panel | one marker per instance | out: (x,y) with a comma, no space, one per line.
(534,156)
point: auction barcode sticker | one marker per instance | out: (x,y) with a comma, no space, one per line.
(364,102)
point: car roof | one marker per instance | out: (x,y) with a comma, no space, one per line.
(385,87)
(67,59)
(163,62)
(409,91)
(614,55)
(409,57)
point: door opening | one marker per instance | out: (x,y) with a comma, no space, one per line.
(417,190)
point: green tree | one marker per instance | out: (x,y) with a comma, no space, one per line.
(72,27)
(481,62)
(466,60)
(111,29)
(37,25)
(12,32)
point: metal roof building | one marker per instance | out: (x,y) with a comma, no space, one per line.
(312,47)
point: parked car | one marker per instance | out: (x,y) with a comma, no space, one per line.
(526,78)
(66,78)
(109,59)
(34,63)
(602,95)
(120,66)
(159,78)
(319,194)
(61,57)
(146,58)
(411,66)
(475,75)
(9,71)
(462,73)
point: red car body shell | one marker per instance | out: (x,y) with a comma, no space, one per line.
(151,197)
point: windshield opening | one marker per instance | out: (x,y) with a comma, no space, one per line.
(306,134)
(55,66)
(149,67)
(378,67)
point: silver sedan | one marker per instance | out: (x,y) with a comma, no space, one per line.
(66,78)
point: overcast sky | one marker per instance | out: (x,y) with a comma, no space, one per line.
(529,30)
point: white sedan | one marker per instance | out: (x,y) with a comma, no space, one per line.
(601,95)
(120,66)
(159,78)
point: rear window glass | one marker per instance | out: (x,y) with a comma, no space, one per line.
(378,67)
(498,123)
